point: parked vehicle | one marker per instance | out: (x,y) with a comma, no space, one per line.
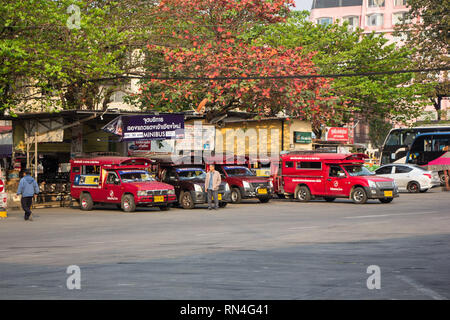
(432,152)
(120,180)
(410,178)
(189,183)
(330,176)
(245,184)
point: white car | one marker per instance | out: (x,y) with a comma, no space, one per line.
(410,178)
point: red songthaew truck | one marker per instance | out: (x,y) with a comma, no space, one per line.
(330,176)
(124,181)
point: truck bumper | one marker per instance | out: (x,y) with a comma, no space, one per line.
(377,193)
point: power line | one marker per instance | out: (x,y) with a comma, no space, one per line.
(254,77)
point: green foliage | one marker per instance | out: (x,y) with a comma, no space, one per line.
(339,50)
(45,63)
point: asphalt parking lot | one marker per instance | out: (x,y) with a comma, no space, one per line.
(279,250)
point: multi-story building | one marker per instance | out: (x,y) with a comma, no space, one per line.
(380,16)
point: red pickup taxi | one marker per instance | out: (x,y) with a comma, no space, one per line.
(119,180)
(306,176)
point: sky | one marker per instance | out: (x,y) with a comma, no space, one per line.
(303,4)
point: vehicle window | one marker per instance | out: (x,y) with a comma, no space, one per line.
(335,171)
(238,171)
(393,139)
(91,169)
(289,164)
(419,168)
(111,177)
(356,171)
(191,173)
(135,176)
(384,170)
(314,165)
(402,169)
(76,169)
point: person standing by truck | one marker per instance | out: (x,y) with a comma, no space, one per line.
(212,183)
(28,187)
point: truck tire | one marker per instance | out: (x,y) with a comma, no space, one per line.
(359,195)
(236,196)
(128,204)
(186,200)
(303,194)
(86,202)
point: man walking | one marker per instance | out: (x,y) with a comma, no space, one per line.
(28,187)
(212,183)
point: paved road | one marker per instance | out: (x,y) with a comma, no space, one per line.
(279,250)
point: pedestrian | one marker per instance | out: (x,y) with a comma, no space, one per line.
(28,187)
(212,183)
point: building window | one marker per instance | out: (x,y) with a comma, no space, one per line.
(118,96)
(400,18)
(399,3)
(325,21)
(375,20)
(375,3)
(353,22)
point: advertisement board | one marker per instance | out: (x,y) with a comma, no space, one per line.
(337,134)
(147,127)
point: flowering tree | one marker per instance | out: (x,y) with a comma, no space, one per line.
(208,61)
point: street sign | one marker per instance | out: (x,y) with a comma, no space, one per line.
(302,137)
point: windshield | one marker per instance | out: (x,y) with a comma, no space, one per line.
(355,171)
(135,176)
(191,173)
(238,171)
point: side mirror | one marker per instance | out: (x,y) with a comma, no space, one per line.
(116,181)
(341,175)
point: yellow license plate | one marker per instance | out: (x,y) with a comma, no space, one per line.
(159,199)
(388,194)
(219,196)
(262,191)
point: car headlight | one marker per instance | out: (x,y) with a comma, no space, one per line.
(198,188)
(171,191)
(141,193)
(227,187)
(270,184)
(372,184)
(246,184)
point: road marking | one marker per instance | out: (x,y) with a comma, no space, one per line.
(428,292)
(389,215)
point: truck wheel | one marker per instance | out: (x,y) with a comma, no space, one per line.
(128,204)
(86,202)
(222,204)
(236,196)
(359,196)
(303,194)
(264,200)
(329,199)
(186,200)
(413,187)
(386,200)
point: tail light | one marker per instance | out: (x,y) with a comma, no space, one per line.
(428,175)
